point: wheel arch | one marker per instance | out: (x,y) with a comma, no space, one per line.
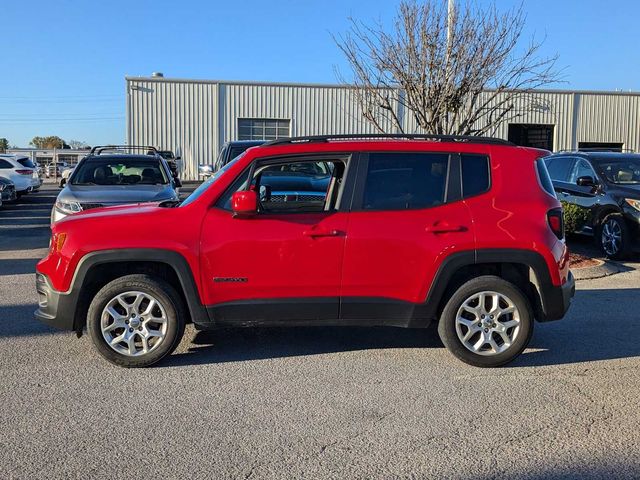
(525,268)
(98,268)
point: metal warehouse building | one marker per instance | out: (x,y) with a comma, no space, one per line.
(195,117)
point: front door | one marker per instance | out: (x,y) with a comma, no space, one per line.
(284,263)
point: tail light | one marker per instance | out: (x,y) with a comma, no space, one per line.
(24,172)
(556,222)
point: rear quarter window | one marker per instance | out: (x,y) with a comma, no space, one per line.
(475,175)
(26,162)
(544,177)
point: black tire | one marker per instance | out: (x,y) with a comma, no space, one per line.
(617,221)
(488,283)
(165,295)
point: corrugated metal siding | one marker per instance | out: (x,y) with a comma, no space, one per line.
(610,118)
(311,110)
(196,117)
(182,117)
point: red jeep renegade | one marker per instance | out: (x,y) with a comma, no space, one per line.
(335,230)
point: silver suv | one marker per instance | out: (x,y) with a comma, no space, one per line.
(111,176)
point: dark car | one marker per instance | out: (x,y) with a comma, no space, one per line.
(606,186)
(171,160)
(229,151)
(7,190)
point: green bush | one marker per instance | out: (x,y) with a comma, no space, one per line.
(575,217)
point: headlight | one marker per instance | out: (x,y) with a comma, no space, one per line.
(68,207)
(2,187)
(633,202)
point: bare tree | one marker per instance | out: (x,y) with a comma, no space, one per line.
(78,144)
(461,73)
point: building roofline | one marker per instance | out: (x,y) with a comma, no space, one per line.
(129,78)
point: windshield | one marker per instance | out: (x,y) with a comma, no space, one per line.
(622,171)
(211,180)
(120,171)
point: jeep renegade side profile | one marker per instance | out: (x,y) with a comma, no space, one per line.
(337,230)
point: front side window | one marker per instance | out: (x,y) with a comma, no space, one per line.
(262,129)
(120,171)
(293,186)
(582,169)
(4,164)
(402,181)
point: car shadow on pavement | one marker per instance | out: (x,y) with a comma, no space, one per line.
(260,343)
(601,325)
(19,321)
(18,266)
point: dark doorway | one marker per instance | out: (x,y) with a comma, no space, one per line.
(530,135)
(600,146)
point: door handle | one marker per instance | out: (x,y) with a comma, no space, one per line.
(321,233)
(445,228)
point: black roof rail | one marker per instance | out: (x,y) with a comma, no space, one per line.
(598,150)
(375,136)
(97,150)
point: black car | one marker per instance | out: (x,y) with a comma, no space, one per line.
(605,188)
(171,160)
(229,151)
(7,190)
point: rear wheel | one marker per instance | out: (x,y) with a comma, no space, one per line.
(136,320)
(487,322)
(613,236)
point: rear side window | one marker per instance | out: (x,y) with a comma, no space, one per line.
(475,175)
(543,176)
(403,181)
(26,162)
(4,164)
(559,168)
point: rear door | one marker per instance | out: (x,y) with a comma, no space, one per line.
(560,169)
(406,217)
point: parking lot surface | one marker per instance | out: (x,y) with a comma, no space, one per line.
(315,403)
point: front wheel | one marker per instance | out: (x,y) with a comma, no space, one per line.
(613,236)
(487,322)
(136,320)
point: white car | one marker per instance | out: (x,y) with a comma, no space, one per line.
(55,169)
(66,173)
(21,171)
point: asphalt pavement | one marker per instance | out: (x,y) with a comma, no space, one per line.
(315,402)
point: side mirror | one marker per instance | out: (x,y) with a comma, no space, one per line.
(586,181)
(244,203)
(178,157)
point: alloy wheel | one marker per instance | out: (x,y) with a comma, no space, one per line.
(133,323)
(488,323)
(611,237)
